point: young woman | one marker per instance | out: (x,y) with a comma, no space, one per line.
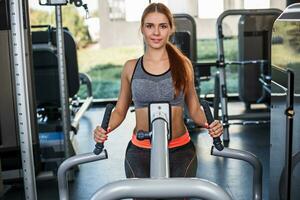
(163,73)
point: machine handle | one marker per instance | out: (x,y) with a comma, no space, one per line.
(216,140)
(99,146)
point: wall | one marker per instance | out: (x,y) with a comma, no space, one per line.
(123,33)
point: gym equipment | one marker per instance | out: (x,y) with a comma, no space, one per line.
(285,137)
(254,29)
(63,86)
(44,45)
(18,132)
(18,105)
(252,160)
(237,154)
(159,185)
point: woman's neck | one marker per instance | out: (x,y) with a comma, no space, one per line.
(156,54)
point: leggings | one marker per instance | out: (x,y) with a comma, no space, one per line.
(183,161)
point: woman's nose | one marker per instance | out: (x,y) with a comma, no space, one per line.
(156,31)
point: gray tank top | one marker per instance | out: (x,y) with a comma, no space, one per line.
(147,87)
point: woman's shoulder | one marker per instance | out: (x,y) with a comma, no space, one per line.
(129,67)
(131,63)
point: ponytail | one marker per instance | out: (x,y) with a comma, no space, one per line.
(181,68)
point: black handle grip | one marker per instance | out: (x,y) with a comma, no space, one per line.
(99,146)
(142,135)
(217,141)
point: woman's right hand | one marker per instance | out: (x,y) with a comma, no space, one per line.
(100,135)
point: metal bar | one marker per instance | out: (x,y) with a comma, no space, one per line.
(161,188)
(272,11)
(159,167)
(224,102)
(81,111)
(289,134)
(85,79)
(22,97)
(249,122)
(63,85)
(246,62)
(252,160)
(71,162)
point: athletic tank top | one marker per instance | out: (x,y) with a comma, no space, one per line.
(147,87)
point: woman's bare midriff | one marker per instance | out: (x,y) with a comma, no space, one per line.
(178,127)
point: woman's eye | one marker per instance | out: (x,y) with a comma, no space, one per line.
(163,26)
(148,25)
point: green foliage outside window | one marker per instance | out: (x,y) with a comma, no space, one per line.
(71,19)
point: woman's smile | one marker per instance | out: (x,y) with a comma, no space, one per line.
(156,40)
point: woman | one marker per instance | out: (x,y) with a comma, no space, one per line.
(163,73)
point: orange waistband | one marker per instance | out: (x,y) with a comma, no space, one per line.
(182,140)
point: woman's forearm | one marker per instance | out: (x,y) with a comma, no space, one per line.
(198,116)
(116,119)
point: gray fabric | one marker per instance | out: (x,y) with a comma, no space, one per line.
(147,88)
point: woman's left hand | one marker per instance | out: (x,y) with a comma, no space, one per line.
(215,129)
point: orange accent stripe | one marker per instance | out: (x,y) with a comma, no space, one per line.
(180,141)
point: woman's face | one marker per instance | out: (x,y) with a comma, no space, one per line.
(156,30)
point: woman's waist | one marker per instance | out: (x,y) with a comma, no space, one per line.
(178,140)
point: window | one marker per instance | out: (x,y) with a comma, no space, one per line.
(134,9)
(116,9)
(255,4)
(210,9)
(161,1)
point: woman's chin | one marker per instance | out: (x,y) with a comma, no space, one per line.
(156,46)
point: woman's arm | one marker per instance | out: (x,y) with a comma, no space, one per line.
(125,98)
(215,129)
(192,101)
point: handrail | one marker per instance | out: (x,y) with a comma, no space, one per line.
(71,162)
(161,188)
(251,159)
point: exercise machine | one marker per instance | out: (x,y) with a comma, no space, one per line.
(20,141)
(44,47)
(160,185)
(285,137)
(255,28)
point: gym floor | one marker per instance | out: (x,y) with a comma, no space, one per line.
(233,175)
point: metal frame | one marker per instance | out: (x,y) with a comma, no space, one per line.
(23,93)
(252,160)
(289,113)
(22,97)
(289,133)
(160,135)
(221,58)
(69,163)
(63,88)
(85,79)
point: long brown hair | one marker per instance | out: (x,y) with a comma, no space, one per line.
(180,65)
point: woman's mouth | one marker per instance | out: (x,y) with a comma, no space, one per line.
(156,40)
